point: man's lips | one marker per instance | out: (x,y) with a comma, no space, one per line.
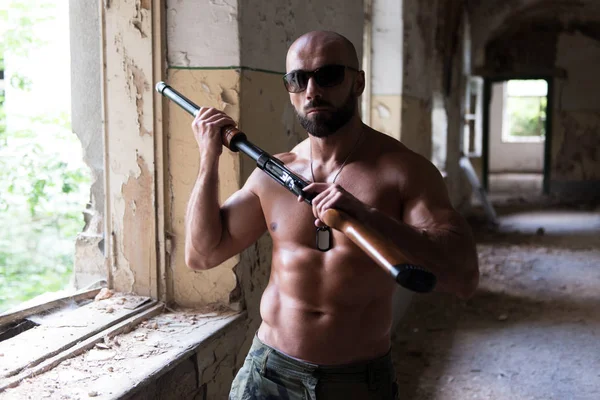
(317,109)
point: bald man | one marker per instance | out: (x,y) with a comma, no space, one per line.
(327,310)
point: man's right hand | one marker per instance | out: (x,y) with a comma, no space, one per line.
(207,130)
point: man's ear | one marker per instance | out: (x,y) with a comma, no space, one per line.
(359,84)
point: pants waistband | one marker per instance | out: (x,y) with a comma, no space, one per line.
(269,357)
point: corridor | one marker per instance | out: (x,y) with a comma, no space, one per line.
(530,332)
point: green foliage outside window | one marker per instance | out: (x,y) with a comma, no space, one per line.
(43,187)
(527,116)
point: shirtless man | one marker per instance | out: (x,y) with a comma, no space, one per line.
(327,315)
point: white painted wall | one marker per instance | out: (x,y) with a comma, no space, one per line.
(268,28)
(579,55)
(387,47)
(224,33)
(510,157)
(202,33)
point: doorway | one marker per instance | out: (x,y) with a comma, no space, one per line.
(517,136)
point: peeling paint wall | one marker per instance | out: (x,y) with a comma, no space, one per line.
(576,136)
(418,71)
(268,28)
(210,88)
(129,125)
(86,122)
(493,18)
(386,114)
(527,51)
(202,33)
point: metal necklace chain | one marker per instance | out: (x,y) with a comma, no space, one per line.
(343,164)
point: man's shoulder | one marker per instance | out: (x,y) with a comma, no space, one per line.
(390,150)
(393,154)
(295,153)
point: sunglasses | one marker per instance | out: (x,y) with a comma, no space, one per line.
(325,76)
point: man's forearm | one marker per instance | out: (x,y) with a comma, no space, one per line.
(448,252)
(203,218)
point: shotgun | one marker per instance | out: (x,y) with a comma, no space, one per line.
(376,246)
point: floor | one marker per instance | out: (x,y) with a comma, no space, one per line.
(527,183)
(532,330)
(511,188)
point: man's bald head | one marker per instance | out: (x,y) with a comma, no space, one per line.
(330,46)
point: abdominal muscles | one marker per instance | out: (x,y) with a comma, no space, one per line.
(329,307)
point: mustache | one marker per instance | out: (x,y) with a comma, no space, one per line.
(315,104)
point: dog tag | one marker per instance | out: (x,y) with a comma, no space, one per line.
(323,238)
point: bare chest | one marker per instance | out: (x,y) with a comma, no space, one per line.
(291,221)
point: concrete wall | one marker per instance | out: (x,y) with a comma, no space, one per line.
(419,75)
(133,146)
(86,122)
(493,18)
(576,136)
(455,73)
(387,67)
(510,157)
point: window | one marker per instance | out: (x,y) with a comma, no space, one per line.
(473,120)
(44,184)
(525,111)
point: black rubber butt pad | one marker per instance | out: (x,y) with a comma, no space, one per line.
(415,278)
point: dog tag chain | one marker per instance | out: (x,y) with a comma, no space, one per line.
(324,237)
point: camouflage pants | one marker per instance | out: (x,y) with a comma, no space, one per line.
(268,374)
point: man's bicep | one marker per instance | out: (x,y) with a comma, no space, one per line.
(427,204)
(242,218)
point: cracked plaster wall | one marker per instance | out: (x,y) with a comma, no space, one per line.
(219,89)
(576,136)
(268,28)
(130,144)
(202,33)
(491,17)
(86,122)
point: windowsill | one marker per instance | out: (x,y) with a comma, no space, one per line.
(523,139)
(114,361)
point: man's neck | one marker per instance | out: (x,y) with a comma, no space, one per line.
(331,151)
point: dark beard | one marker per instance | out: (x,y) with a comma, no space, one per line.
(323,125)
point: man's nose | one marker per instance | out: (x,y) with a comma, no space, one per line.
(312,89)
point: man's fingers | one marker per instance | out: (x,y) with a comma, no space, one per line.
(214,118)
(204,112)
(316,187)
(330,201)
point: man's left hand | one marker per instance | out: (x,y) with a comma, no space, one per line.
(332,196)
